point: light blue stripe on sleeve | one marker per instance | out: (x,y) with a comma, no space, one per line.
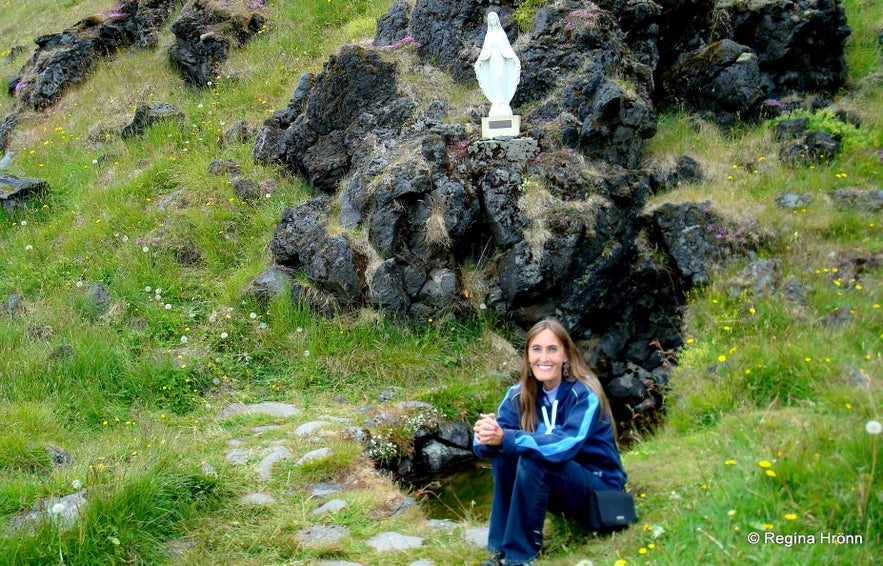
(566,444)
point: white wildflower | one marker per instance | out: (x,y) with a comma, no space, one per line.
(658,531)
(874,427)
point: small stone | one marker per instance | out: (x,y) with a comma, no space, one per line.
(314,455)
(332,506)
(323,535)
(237,456)
(272,455)
(393,541)
(269,408)
(258,499)
(442,524)
(324,489)
(476,536)
(265,428)
(309,428)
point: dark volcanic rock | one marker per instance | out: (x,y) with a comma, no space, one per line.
(205,33)
(148,114)
(17,191)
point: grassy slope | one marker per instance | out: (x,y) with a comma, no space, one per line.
(136,403)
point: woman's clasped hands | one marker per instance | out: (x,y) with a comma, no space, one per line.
(487,431)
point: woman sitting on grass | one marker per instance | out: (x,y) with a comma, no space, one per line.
(551,443)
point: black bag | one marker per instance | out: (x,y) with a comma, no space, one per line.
(611,510)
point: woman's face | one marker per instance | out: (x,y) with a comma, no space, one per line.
(546,356)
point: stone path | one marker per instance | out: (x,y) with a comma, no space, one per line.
(324,535)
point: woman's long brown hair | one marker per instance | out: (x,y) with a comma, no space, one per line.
(578,371)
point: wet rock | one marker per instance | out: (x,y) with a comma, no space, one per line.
(438,456)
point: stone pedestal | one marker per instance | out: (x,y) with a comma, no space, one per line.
(510,153)
(500,126)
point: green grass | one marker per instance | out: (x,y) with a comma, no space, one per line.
(131,387)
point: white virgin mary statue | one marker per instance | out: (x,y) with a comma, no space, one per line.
(497,68)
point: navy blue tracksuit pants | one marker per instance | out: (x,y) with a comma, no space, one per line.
(524,489)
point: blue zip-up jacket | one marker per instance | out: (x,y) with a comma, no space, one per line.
(578,433)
